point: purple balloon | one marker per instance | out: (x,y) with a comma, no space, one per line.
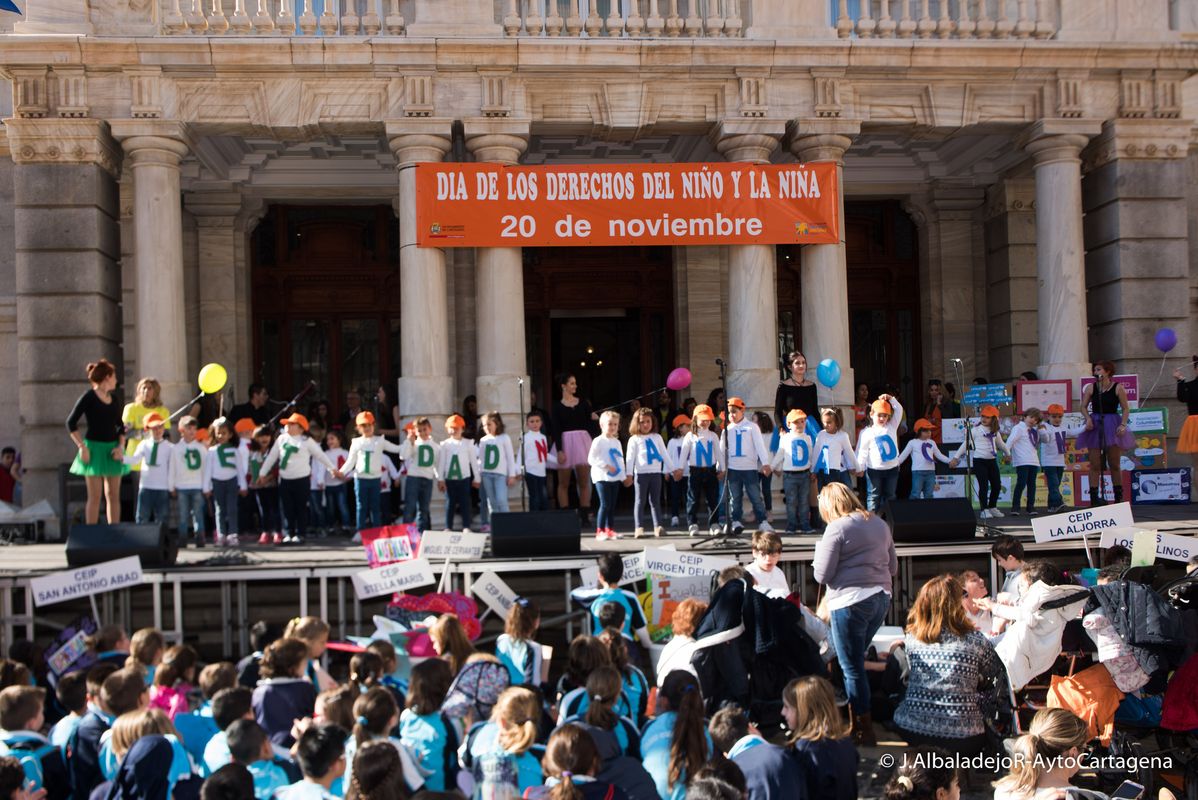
(679,379)
(1166,340)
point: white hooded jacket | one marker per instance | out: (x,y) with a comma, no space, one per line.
(1033,642)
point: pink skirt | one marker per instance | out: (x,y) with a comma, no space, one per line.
(577,447)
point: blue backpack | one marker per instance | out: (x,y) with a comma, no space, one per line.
(29,750)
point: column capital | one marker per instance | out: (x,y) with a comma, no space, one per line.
(1141,139)
(956,202)
(1052,140)
(748,139)
(63,141)
(419,139)
(213,209)
(496,139)
(821,138)
(153,142)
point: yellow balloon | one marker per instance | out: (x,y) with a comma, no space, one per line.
(212,378)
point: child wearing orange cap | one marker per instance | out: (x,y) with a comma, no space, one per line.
(983,441)
(187,479)
(366,460)
(878,451)
(293,451)
(703,454)
(1053,446)
(924,454)
(457,471)
(534,460)
(681,425)
(748,458)
(1024,444)
(794,460)
(154,454)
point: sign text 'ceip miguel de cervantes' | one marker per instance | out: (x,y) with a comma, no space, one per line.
(492,205)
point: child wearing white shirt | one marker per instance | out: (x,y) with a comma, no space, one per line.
(924,454)
(606,458)
(678,487)
(747,454)
(703,455)
(457,471)
(419,454)
(497,467)
(984,441)
(336,490)
(794,459)
(534,456)
(294,452)
(878,452)
(153,488)
(834,451)
(187,480)
(224,480)
(767,550)
(368,461)
(1053,445)
(1024,445)
(647,458)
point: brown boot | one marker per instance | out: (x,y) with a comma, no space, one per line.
(863,730)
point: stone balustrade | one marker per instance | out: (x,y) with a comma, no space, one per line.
(947,19)
(630,18)
(283,17)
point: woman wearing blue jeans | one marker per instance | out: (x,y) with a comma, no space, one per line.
(856,562)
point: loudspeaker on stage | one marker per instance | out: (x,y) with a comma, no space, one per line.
(947,520)
(523,534)
(92,544)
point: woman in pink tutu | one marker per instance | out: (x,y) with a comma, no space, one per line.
(573,427)
(1105,407)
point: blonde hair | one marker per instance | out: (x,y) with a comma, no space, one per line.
(816,714)
(608,415)
(155,391)
(134,725)
(309,629)
(634,424)
(145,647)
(837,500)
(1052,734)
(937,609)
(451,641)
(516,713)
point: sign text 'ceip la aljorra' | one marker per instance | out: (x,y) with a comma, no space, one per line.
(1082,522)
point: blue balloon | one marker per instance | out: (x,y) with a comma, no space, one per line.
(828,372)
(1165,340)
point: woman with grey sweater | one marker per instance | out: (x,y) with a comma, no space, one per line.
(856,563)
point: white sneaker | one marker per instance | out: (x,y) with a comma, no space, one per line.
(765,526)
(716,529)
(638,533)
(357,538)
(994,512)
(985,514)
(693,530)
(232,540)
(673,522)
(465,530)
(218,539)
(737,529)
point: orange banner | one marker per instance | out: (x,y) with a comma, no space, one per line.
(490,205)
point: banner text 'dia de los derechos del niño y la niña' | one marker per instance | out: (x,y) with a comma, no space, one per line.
(491,205)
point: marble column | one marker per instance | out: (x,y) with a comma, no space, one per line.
(1010,241)
(499,289)
(824,269)
(65,215)
(215,214)
(425,385)
(154,149)
(752,280)
(955,311)
(1056,145)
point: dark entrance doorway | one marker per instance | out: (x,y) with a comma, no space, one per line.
(603,352)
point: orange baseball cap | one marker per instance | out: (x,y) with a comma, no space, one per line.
(152,420)
(201,434)
(794,415)
(244,425)
(703,411)
(989,411)
(880,406)
(1056,408)
(923,425)
(737,402)
(454,421)
(364,418)
(296,419)
(681,419)
(411,426)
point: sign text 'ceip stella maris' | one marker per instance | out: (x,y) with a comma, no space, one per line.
(492,205)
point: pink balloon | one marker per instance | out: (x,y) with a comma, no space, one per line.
(679,379)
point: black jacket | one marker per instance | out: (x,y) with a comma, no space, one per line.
(1150,626)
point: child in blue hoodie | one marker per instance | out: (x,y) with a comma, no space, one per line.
(284,694)
(250,747)
(429,733)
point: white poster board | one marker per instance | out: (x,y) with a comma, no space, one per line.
(393,578)
(1168,545)
(71,584)
(442,545)
(1082,522)
(497,595)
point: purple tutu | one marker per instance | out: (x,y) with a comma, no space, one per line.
(1090,440)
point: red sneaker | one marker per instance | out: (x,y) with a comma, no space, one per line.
(278,537)
(264,538)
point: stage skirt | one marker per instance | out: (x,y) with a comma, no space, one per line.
(1094,440)
(101,463)
(1187,442)
(577,447)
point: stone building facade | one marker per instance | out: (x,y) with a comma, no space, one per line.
(1033,160)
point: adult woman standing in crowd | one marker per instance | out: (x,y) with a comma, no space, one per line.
(955,678)
(1187,392)
(100,455)
(861,406)
(937,409)
(148,401)
(856,561)
(1105,407)
(573,427)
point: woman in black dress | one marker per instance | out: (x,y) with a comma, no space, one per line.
(798,392)
(100,453)
(1187,392)
(573,427)
(1105,408)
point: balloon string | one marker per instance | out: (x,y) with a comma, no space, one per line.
(1155,382)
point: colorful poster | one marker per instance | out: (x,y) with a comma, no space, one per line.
(1162,486)
(1131,384)
(1042,394)
(588,205)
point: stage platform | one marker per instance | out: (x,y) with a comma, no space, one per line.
(292,571)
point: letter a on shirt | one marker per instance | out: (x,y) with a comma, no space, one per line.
(651,453)
(490,456)
(455,469)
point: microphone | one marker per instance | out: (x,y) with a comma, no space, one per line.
(955,360)
(720,361)
(520,381)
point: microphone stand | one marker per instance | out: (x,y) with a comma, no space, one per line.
(1100,423)
(725,537)
(970,473)
(311,385)
(523,450)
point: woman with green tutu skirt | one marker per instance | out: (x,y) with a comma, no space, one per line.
(100,459)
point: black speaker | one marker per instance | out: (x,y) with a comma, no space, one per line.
(92,544)
(947,520)
(524,534)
